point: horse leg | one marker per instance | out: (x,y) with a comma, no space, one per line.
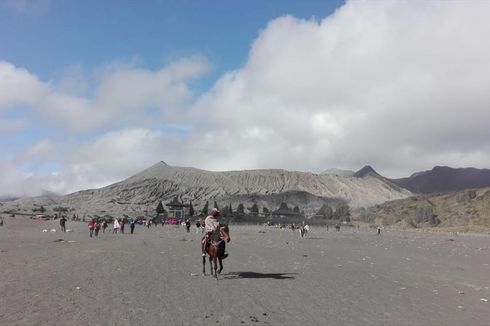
(203,265)
(215,260)
(220,265)
(211,265)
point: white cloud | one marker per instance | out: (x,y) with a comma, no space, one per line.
(399,85)
(121,99)
(42,149)
(117,155)
(19,86)
(359,87)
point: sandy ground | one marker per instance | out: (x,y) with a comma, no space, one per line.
(351,277)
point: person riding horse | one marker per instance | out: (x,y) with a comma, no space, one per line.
(212,225)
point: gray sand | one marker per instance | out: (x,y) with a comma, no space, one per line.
(154,278)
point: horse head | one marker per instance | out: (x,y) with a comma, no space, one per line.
(224,232)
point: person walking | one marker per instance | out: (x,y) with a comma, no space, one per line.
(122,222)
(91,227)
(132,224)
(104,226)
(63,224)
(116,226)
(379,231)
(97,229)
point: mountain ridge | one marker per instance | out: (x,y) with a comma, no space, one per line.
(161,182)
(445,178)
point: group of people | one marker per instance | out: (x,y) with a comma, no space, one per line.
(210,225)
(94,227)
(120,223)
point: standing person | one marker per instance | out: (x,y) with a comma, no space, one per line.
(121,224)
(132,224)
(63,223)
(104,226)
(91,227)
(198,226)
(379,230)
(97,229)
(116,226)
(188,225)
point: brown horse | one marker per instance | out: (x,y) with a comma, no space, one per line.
(216,249)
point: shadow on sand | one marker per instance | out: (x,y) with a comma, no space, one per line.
(276,276)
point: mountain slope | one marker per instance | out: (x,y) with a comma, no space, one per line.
(443,178)
(469,209)
(161,182)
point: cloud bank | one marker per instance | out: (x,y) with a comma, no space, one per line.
(399,85)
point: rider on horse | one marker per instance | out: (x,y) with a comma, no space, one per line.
(211,226)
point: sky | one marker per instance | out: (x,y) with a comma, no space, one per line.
(92,92)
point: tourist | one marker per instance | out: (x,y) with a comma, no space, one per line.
(121,224)
(104,226)
(132,224)
(116,226)
(212,225)
(63,223)
(91,227)
(379,230)
(97,229)
(198,226)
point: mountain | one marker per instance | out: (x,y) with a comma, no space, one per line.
(443,178)
(162,182)
(338,172)
(466,210)
(366,171)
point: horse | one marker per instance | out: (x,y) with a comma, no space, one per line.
(216,250)
(337,227)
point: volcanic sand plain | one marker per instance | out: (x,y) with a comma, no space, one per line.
(272,276)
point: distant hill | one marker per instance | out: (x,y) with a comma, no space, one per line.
(461,210)
(443,179)
(162,182)
(366,171)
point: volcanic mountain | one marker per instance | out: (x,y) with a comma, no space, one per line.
(267,188)
(443,179)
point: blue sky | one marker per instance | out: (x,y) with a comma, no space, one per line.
(92,92)
(46,37)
